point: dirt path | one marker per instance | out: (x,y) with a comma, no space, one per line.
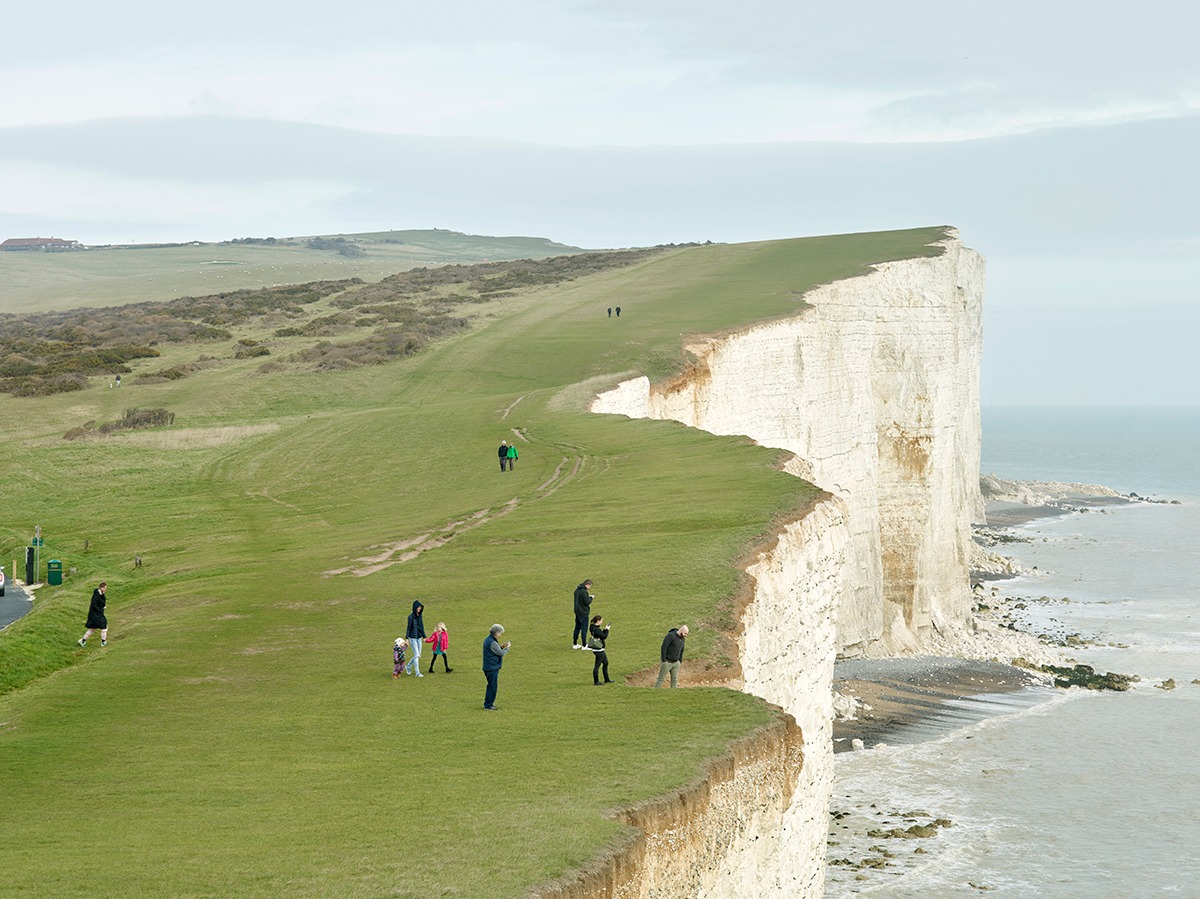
(381,556)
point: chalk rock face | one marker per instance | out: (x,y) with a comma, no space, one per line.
(787,650)
(875,389)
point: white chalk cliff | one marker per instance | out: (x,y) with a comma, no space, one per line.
(874,388)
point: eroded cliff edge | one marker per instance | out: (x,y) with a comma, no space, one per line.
(874,388)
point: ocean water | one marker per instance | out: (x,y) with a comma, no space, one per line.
(1066,793)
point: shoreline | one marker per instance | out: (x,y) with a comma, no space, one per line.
(911,700)
(964,677)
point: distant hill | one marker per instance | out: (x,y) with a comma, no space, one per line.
(118,274)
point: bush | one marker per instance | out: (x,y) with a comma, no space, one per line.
(251,352)
(135,419)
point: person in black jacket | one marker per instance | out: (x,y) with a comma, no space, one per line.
(583,607)
(671,655)
(503,453)
(415,636)
(96,619)
(596,643)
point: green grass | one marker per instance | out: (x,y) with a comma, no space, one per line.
(242,735)
(38,281)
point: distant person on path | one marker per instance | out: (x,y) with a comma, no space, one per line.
(599,635)
(493,657)
(583,608)
(610,311)
(618,312)
(398,660)
(512,455)
(95,618)
(416,636)
(440,640)
(503,453)
(671,655)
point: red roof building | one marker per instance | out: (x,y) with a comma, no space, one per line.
(40,243)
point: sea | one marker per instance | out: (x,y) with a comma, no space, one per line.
(1062,793)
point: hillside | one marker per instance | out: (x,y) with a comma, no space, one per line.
(114,275)
(241,733)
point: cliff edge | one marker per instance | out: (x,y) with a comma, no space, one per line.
(874,389)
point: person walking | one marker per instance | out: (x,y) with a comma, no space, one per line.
(415,634)
(96,619)
(671,655)
(583,607)
(503,453)
(618,312)
(512,455)
(493,658)
(596,643)
(440,640)
(398,660)
(610,311)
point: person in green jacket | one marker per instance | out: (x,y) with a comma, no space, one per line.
(512,455)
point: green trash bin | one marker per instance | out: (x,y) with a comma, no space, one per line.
(54,572)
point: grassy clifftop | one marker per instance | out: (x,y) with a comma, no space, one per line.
(241,733)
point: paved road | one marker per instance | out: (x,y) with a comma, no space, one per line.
(13,604)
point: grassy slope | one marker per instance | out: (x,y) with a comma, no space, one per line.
(242,734)
(110,277)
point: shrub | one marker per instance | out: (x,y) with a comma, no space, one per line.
(134,419)
(251,352)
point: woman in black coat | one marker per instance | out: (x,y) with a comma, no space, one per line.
(96,619)
(599,634)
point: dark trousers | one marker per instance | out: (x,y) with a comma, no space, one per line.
(581,630)
(493,682)
(502,461)
(510,460)
(435,658)
(601,659)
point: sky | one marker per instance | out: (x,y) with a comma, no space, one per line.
(1059,138)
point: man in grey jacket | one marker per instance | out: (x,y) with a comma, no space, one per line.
(671,655)
(493,659)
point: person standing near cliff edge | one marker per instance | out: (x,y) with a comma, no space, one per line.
(671,655)
(583,608)
(597,643)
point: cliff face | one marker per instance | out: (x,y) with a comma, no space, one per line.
(787,650)
(718,837)
(875,390)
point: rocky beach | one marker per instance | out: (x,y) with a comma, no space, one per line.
(965,782)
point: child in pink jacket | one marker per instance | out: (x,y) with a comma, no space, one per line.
(440,640)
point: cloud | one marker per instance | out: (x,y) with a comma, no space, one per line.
(614,72)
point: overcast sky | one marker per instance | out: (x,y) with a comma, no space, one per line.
(1061,138)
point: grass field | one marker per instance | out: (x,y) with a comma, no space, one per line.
(38,281)
(241,733)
